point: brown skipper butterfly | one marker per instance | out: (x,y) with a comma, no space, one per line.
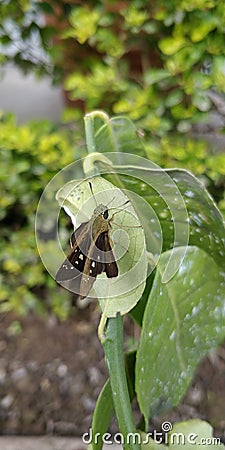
(91,252)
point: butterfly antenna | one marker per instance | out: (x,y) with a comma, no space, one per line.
(123,204)
(111,201)
(91,188)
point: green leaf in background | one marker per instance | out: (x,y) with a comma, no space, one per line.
(119,135)
(183,320)
(203,26)
(138,311)
(119,294)
(103,415)
(84,22)
(171,45)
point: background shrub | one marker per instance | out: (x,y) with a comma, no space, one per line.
(31,155)
(155,63)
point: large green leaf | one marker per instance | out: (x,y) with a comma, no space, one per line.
(181,203)
(206,223)
(183,320)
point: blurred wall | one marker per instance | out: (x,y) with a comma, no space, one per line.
(29,98)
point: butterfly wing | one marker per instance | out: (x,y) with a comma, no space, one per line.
(86,260)
(104,244)
(73,265)
(100,259)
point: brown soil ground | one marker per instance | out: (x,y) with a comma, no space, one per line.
(51,374)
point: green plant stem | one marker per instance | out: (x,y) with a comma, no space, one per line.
(113,347)
(89,133)
(89,120)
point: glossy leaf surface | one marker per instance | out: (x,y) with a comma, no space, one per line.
(183,320)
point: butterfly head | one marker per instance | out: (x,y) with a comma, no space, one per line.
(101,210)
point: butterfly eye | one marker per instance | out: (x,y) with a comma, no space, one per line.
(106,214)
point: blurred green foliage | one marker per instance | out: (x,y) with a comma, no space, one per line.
(30,157)
(153,61)
(196,156)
